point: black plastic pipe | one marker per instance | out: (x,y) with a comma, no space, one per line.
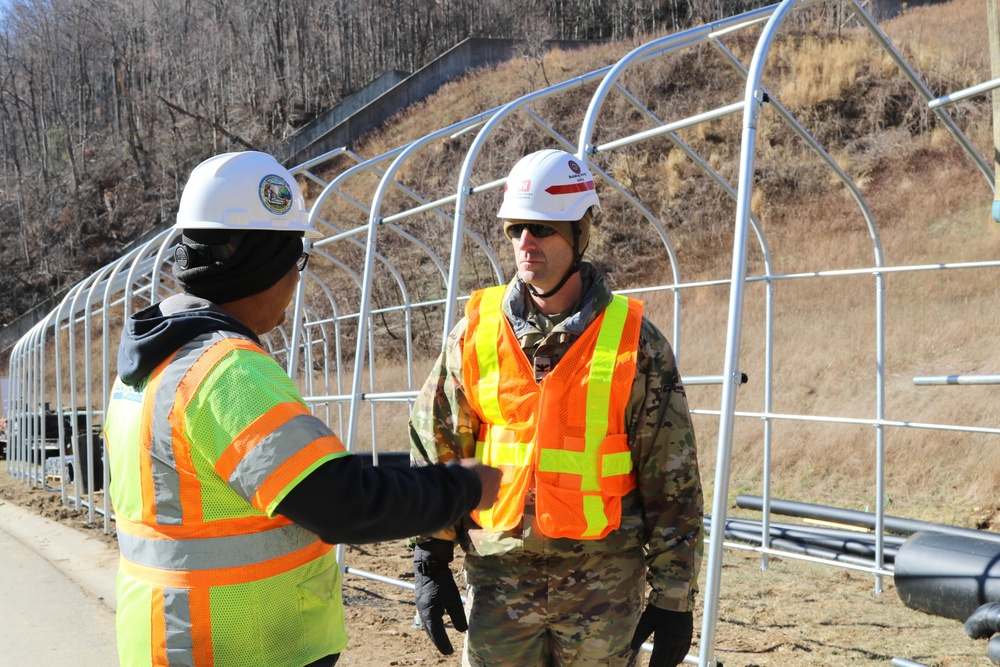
(839,541)
(790,529)
(753,537)
(855,518)
(984,622)
(846,540)
(808,550)
(993,651)
(947,575)
(829,554)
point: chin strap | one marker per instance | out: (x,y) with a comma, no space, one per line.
(531,288)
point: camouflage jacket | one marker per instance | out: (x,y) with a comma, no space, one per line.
(663,515)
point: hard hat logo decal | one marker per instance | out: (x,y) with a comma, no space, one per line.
(574,167)
(523,186)
(275,194)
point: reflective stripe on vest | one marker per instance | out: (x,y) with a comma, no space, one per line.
(207,553)
(166,507)
(491,316)
(580,477)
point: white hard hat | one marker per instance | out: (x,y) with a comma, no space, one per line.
(243,191)
(548,185)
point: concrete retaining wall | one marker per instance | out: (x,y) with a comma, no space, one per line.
(468,55)
(349,106)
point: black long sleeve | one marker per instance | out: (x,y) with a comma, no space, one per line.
(346,502)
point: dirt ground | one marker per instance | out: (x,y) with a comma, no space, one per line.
(794,613)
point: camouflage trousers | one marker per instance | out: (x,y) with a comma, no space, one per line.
(553,611)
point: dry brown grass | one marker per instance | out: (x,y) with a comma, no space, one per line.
(821,70)
(956,36)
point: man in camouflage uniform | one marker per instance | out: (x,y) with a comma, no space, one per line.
(535,598)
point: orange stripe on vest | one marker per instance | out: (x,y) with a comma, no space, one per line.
(226,576)
(218,528)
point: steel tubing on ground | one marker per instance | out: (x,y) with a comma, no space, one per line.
(807,549)
(791,530)
(856,545)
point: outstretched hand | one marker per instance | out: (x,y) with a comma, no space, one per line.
(489,478)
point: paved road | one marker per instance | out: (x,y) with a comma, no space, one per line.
(56,594)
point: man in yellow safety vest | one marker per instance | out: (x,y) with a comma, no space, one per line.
(228,493)
(576,397)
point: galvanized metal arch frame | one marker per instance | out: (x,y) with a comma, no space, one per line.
(324,340)
(333,188)
(879,262)
(406,307)
(337,318)
(88,401)
(371,165)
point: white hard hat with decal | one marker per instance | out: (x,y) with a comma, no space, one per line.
(243,191)
(548,185)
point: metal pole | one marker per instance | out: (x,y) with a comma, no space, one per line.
(755,98)
(993,22)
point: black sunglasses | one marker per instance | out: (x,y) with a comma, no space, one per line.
(301,262)
(537,230)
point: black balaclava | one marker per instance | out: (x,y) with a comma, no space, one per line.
(220,265)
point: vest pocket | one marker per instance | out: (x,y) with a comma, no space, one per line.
(559,512)
(319,597)
(615,466)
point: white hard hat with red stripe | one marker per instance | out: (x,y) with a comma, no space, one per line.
(548,185)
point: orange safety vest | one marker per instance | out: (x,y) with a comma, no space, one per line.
(566,434)
(209,574)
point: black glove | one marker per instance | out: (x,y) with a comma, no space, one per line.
(672,641)
(436,591)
